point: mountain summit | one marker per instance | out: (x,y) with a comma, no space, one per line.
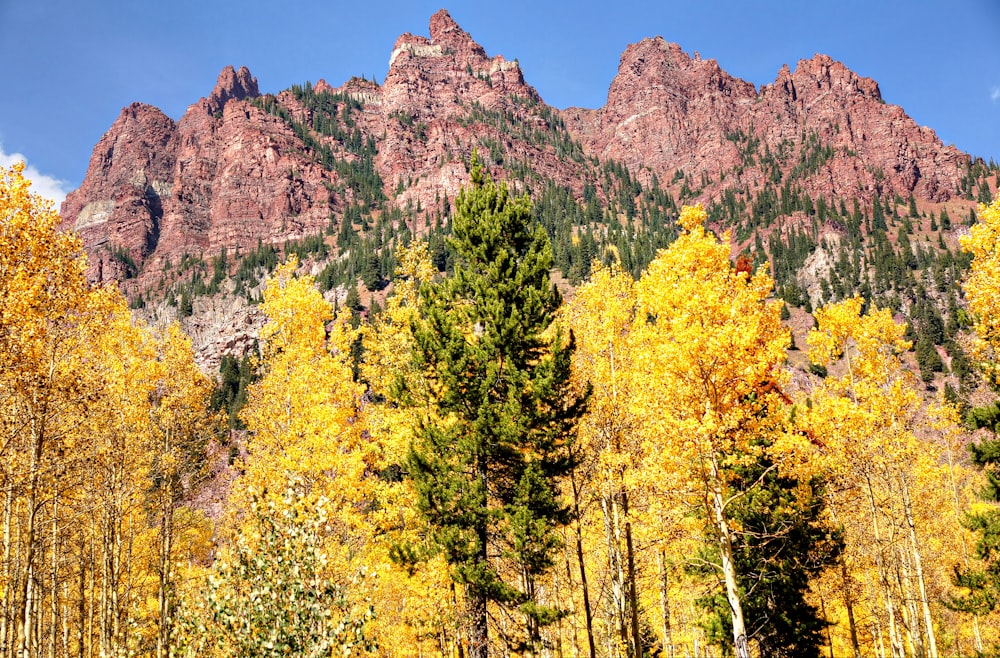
(241,168)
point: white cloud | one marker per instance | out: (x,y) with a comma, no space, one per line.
(46,186)
(995,95)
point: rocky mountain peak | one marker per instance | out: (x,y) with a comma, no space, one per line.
(664,69)
(652,51)
(666,110)
(822,74)
(119,203)
(232,84)
(288,168)
(447,40)
(355,86)
(446,32)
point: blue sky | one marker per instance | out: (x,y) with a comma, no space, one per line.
(71,65)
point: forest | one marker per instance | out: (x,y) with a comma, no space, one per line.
(485,468)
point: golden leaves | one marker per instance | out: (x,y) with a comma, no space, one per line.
(710,339)
(982,285)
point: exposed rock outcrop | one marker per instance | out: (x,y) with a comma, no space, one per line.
(668,111)
(231,84)
(239,168)
(120,204)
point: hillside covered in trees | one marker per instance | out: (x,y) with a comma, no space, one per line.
(816,173)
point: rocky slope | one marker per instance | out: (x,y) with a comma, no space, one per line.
(229,173)
(233,171)
(225,175)
(241,168)
(667,111)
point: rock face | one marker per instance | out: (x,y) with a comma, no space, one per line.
(238,179)
(239,167)
(120,204)
(668,111)
(231,84)
(847,111)
(226,175)
(230,174)
(458,98)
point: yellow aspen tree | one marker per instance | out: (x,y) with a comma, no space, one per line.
(41,290)
(602,315)
(305,427)
(303,414)
(389,345)
(121,444)
(279,585)
(868,415)
(982,286)
(963,485)
(630,539)
(712,346)
(78,381)
(181,425)
(982,289)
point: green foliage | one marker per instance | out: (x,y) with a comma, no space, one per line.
(585,230)
(813,154)
(314,245)
(353,300)
(945,220)
(982,585)
(371,273)
(185,307)
(253,266)
(488,482)
(333,139)
(928,360)
(818,369)
(123,257)
(547,129)
(782,544)
(230,395)
(270,596)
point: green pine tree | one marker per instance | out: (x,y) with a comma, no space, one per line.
(783,543)
(982,585)
(945,220)
(928,359)
(487,464)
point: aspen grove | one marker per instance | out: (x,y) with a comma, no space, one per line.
(484,468)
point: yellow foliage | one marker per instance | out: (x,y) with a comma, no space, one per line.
(601,315)
(982,285)
(308,423)
(709,346)
(887,458)
(414,603)
(302,413)
(711,349)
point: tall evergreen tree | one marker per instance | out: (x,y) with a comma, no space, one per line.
(982,585)
(487,458)
(775,566)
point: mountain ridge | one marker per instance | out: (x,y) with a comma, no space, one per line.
(358,169)
(666,111)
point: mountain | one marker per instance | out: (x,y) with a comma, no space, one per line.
(667,111)
(815,172)
(239,167)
